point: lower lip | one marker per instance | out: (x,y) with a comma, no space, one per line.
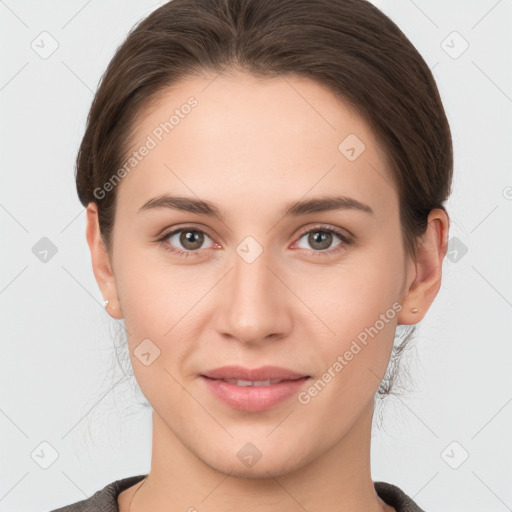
(253,398)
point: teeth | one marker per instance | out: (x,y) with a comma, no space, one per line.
(239,382)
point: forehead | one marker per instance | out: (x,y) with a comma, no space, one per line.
(254,140)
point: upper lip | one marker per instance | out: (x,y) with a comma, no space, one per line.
(253,374)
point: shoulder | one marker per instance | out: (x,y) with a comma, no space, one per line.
(104,500)
(395,497)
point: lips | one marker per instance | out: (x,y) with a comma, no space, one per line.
(263,376)
(253,394)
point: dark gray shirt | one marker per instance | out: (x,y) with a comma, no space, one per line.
(105,500)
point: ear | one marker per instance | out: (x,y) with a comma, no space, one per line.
(101,262)
(425,276)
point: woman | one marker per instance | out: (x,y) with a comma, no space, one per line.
(264,184)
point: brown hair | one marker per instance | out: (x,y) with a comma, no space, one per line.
(349,46)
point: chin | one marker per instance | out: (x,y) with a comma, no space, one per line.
(263,468)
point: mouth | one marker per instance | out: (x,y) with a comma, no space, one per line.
(253,395)
(247,383)
(265,375)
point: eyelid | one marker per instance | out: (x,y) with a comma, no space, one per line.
(192,227)
(343,233)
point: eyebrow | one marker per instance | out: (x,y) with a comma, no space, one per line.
(304,207)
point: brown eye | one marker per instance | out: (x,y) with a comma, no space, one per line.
(191,239)
(185,241)
(320,240)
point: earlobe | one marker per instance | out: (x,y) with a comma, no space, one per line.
(101,264)
(423,289)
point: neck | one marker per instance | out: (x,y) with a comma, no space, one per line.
(337,480)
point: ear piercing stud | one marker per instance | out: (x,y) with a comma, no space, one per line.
(105,304)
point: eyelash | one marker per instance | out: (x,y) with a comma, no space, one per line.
(324,229)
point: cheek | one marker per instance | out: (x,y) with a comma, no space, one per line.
(160,303)
(360,309)
(154,294)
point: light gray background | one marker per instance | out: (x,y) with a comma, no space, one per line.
(57,341)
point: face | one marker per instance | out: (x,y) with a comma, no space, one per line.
(316,291)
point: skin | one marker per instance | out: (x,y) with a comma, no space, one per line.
(251,146)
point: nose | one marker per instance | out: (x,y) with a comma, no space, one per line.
(254,302)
